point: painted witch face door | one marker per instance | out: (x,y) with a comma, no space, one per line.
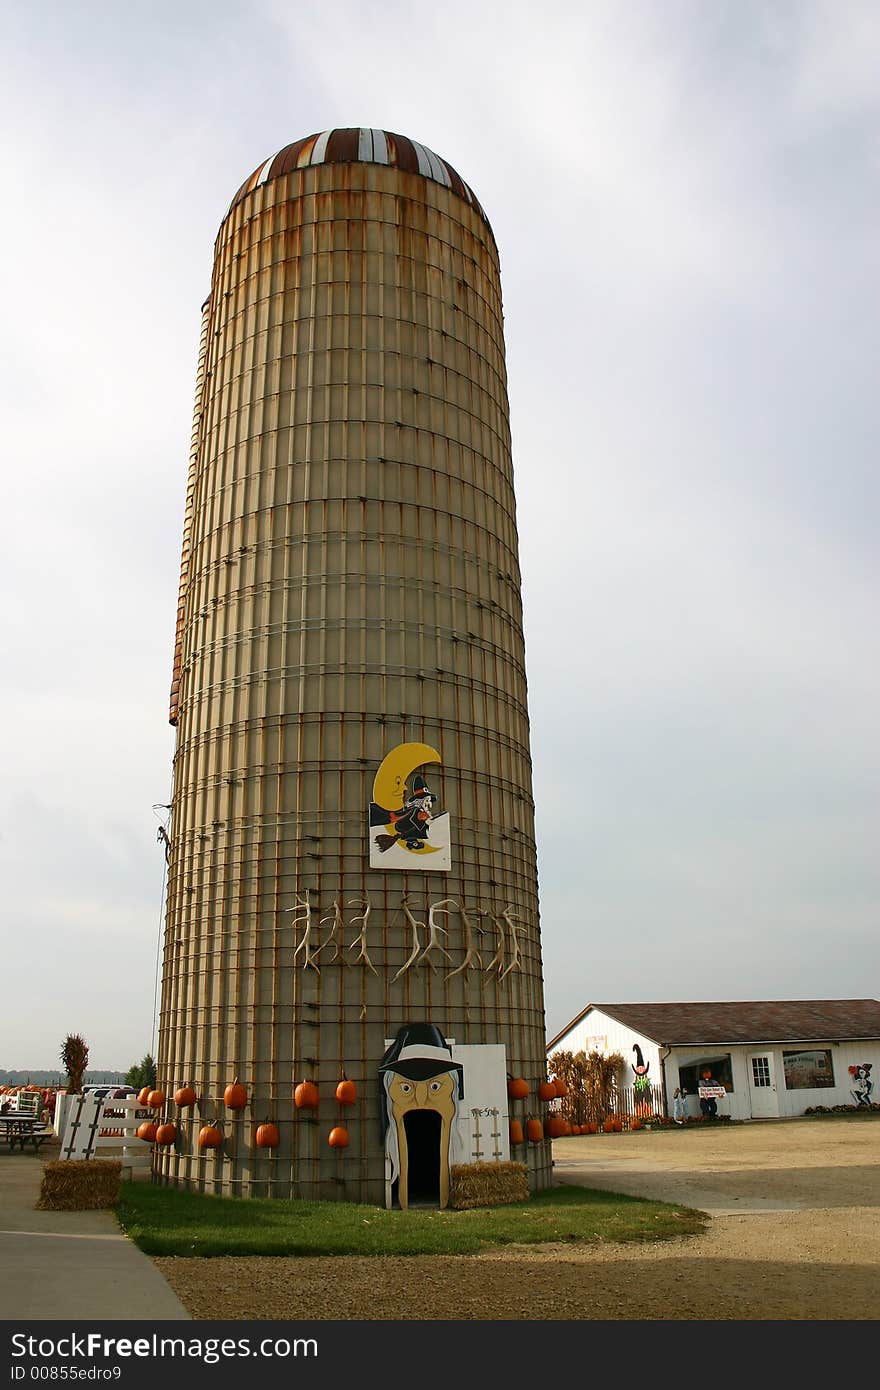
(406,832)
(422,1088)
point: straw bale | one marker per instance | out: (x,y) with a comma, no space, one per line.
(83,1185)
(487,1185)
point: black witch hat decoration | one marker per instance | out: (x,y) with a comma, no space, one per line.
(419,1052)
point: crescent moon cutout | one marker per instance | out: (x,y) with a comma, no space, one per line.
(389,784)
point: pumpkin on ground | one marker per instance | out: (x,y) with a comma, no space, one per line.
(305,1097)
(147,1131)
(235,1096)
(166,1134)
(155,1099)
(184,1097)
(346,1091)
(517,1088)
(268,1136)
(338,1137)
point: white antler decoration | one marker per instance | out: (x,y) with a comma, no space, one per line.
(302,916)
(511,918)
(335,935)
(361,938)
(417,946)
(472,956)
(435,931)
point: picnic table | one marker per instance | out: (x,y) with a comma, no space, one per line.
(22,1128)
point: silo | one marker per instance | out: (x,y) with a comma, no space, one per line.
(352,880)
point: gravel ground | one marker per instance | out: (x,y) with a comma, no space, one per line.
(794,1235)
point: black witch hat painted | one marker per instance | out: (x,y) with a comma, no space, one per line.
(419,1052)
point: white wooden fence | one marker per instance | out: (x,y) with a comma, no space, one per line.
(89,1127)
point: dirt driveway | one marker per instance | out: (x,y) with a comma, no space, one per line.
(795,1235)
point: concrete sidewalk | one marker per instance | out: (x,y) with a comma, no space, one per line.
(70,1265)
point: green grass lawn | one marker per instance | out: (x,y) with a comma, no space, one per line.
(165,1221)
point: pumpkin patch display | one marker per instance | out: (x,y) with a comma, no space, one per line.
(560,1086)
(210,1137)
(516,1133)
(555,1127)
(518,1088)
(155,1099)
(338,1137)
(166,1134)
(267,1136)
(534,1130)
(144,1095)
(184,1097)
(305,1097)
(547,1091)
(235,1096)
(147,1131)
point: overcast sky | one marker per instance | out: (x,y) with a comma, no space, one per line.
(685,200)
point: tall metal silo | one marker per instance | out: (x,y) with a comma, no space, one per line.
(350,658)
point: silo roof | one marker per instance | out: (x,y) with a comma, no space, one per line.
(358,144)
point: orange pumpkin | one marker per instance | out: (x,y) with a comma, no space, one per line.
(147,1131)
(235,1096)
(555,1127)
(636,1123)
(210,1137)
(268,1137)
(184,1096)
(546,1091)
(517,1088)
(166,1134)
(516,1133)
(534,1130)
(305,1097)
(156,1099)
(559,1084)
(346,1091)
(144,1095)
(338,1137)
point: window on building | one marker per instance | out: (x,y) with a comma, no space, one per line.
(719,1065)
(808,1071)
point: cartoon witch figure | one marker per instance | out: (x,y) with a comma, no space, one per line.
(412,823)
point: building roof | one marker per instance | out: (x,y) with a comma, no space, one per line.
(359,145)
(747,1021)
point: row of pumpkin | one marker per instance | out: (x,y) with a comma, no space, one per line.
(306,1097)
(235,1097)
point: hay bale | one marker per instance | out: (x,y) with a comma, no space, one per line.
(80,1185)
(487,1185)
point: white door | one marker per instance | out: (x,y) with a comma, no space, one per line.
(762,1086)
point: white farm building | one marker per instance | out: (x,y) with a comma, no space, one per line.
(773,1059)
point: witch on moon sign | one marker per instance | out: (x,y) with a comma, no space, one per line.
(404,831)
